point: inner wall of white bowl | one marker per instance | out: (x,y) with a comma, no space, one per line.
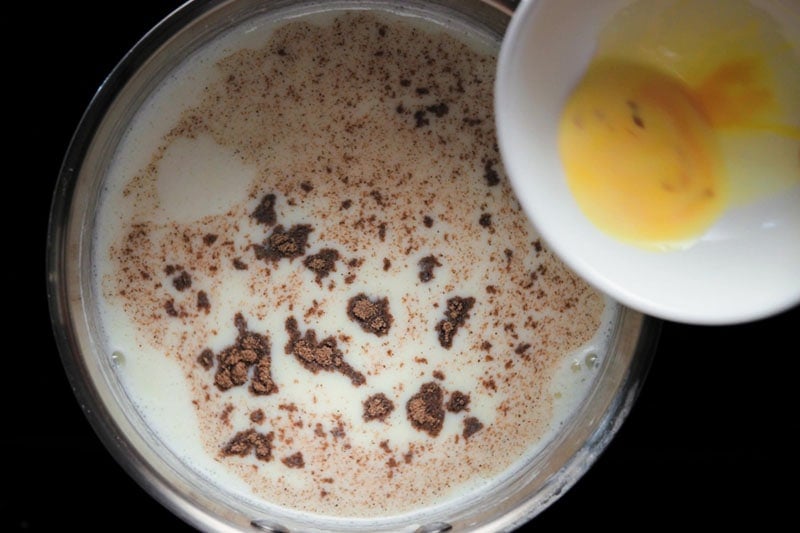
(520,497)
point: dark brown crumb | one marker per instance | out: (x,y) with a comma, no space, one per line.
(382,231)
(427,221)
(420,120)
(250,440)
(471,426)
(322,263)
(257,416)
(522,348)
(490,174)
(238,264)
(377,407)
(424,409)
(182,281)
(386,264)
(209,239)
(458,402)
(485,220)
(206,359)
(372,316)
(426,266)
(439,110)
(202,301)
(169,307)
(250,350)
(537,245)
(294,461)
(306,186)
(284,244)
(346,204)
(438,374)
(265,212)
(456,314)
(322,355)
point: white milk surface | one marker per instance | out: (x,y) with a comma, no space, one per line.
(376,135)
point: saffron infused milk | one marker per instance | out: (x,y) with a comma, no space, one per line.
(317,286)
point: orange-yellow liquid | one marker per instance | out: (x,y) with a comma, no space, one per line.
(676,119)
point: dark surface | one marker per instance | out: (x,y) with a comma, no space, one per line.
(702,447)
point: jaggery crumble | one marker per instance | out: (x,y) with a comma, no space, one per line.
(250,440)
(319,355)
(424,409)
(377,407)
(372,315)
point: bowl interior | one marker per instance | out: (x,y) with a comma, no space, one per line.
(744,268)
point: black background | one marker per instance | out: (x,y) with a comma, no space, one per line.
(705,445)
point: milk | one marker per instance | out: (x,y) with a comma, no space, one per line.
(375,132)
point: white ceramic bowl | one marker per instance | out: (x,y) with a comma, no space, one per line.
(746,267)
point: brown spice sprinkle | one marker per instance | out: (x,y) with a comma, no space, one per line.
(250,440)
(458,402)
(426,266)
(424,409)
(284,244)
(250,350)
(471,426)
(372,315)
(322,355)
(322,263)
(265,212)
(377,407)
(294,461)
(457,313)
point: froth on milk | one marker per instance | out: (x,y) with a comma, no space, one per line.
(319,288)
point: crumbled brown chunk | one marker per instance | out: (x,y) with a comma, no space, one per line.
(250,349)
(522,348)
(206,359)
(458,402)
(322,355)
(490,174)
(238,264)
(485,220)
(427,221)
(284,244)
(426,266)
(265,212)
(377,407)
(182,281)
(209,239)
(250,440)
(294,461)
(471,426)
(372,316)
(438,374)
(457,313)
(169,307)
(322,263)
(202,301)
(424,409)
(257,416)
